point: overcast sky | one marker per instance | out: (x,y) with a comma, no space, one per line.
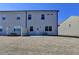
(66,10)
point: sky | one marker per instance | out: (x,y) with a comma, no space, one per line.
(65,9)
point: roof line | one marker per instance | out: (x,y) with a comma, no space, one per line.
(26,10)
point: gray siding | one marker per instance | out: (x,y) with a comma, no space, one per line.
(24,24)
(36,22)
(11,21)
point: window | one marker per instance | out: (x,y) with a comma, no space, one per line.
(48,14)
(18,18)
(1,30)
(52,14)
(46,28)
(50,28)
(17,29)
(42,16)
(31,28)
(3,18)
(29,17)
(69,25)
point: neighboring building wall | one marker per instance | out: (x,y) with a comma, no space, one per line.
(12,19)
(39,25)
(70,27)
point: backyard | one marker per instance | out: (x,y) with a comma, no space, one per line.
(32,45)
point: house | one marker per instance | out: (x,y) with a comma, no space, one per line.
(29,22)
(70,27)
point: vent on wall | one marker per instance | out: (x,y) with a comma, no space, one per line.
(50,14)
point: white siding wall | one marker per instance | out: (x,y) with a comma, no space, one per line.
(36,22)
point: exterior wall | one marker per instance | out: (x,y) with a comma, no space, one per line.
(70,27)
(11,21)
(36,22)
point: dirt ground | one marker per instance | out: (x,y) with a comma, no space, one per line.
(38,45)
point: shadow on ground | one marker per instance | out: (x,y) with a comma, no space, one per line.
(69,36)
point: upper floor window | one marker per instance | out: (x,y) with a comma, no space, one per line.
(29,17)
(18,18)
(48,14)
(3,18)
(42,16)
(52,14)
